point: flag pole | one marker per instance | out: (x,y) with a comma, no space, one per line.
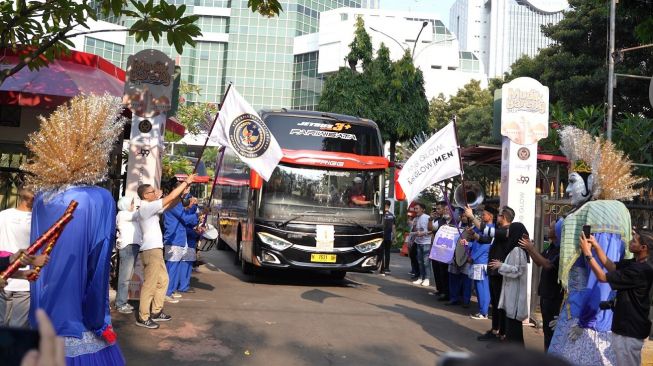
(215,181)
(208,135)
(460,159)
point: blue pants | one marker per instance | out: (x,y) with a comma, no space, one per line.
(128,256)
(457,283)
(423,260)
(483,293)
(179,275)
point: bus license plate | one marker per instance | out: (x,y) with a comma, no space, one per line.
(323,258)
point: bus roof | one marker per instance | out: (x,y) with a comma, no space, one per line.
(316,114)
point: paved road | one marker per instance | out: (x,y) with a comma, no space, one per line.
(299,318)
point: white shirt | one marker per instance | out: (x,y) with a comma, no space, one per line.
(15,226)
(148,217)
(129,229)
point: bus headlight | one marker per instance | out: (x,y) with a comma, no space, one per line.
(369,246)
(274,242)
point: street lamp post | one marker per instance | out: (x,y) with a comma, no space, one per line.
(412,54)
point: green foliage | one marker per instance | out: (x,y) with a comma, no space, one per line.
(268,8)
(473,108)
(389,92)
(43,29)
(172,165)
(360,47)
(575,66)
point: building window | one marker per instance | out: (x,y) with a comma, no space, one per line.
(344,16)
(436,67)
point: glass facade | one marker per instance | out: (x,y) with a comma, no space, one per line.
(307,83)
(110,51)
(260,60)
(253,52)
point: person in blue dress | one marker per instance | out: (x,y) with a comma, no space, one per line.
(599,176)
(178,249)
(73,288)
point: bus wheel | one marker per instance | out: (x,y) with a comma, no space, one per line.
(247,268)
(237,254)
(338,275)
(222,245)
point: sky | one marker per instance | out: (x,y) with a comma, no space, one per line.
(440,7)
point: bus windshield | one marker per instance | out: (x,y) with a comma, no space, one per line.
(318,195)
(322,134)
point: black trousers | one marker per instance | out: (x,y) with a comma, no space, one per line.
(498,315)
(514,332)
(441,275)
(387,244)
(550,307)
(413,260)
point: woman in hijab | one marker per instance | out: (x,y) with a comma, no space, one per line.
(128,243)
(513,297)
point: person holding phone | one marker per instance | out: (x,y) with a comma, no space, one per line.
(632,279)
(600,177)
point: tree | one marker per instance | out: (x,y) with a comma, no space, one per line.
(388,92)
(193,115)
(473,108)
(575,66)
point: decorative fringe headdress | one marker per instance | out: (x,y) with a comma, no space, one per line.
(609,168)
(73,144)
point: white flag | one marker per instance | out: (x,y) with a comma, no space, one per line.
(240,128)
(436,160)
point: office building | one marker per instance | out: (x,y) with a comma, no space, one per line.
(282,61)
(501,31)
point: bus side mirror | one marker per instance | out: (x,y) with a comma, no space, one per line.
(255,180)
(399,193)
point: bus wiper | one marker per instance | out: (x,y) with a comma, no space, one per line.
(368,229)
(307,213)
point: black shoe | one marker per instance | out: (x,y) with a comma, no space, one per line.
(488,336)
(148,323)
(161,317)
(387,271)
(443,297)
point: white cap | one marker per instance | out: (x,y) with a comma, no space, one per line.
(358,180)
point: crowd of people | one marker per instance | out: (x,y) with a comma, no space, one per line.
(596,274)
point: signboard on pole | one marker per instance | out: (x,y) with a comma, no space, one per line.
(524,121)
(148,88)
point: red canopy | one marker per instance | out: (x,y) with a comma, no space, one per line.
(62,79)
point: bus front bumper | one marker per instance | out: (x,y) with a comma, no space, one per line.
(351,260)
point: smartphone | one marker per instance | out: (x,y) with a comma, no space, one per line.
(15,342)
(587,230)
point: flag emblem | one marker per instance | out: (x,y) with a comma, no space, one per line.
(249,136)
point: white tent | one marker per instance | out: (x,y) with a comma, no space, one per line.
(197,140)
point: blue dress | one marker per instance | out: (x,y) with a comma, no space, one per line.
(73,287)
(179,249)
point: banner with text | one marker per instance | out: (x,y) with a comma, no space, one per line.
(444,244)
(436,160)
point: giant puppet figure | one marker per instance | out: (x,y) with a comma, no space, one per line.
(70,154)
(599,176)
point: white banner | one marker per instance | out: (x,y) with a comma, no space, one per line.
(240,128)
(433,162)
